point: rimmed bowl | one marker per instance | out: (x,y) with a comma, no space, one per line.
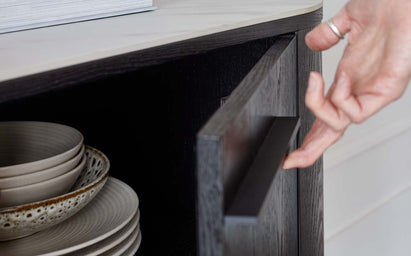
(29,146)
(42,175)
(27,219)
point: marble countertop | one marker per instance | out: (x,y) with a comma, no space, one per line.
(38,50)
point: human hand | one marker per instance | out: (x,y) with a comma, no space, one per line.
(373,71)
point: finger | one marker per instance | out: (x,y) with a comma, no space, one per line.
(357,108)
(365,106)
(320,137)
(322,37)
(343,98)
(321,106)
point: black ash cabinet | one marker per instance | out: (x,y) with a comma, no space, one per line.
(250,203)
(199,129)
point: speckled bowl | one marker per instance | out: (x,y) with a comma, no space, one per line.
(24,220)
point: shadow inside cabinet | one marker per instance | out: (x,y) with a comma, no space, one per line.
(146,123)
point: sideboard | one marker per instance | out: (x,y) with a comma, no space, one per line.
(195,104)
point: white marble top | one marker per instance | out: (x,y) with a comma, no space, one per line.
(32,51)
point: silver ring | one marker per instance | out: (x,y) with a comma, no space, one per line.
(335,29)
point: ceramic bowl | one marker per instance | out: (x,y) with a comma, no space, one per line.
(27,219)
(42,175)
(41,190)
(28,146)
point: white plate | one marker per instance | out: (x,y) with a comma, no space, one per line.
(111,241)
(107,213)
(125,245)
(134,247)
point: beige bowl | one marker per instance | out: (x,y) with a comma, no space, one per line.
(42,175)
(23,220)
(28,146)
(41,190)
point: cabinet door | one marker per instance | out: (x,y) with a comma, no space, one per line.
(247,205)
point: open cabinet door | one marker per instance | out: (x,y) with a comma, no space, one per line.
(248,205)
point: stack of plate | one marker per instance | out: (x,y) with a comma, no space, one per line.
(99,215)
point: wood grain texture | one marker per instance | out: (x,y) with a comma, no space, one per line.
(310,180)
(277,230)
(210,201)
(125,63)
(237,129)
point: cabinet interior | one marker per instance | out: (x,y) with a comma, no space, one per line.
(146,122)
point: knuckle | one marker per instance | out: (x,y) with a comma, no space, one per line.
(392,74)
(385,87)
(338,126)
(389,84)
(311,161)
(311,103)
(396,94)
(357,118)
(391,90)
(307,159)
(336,99)
(328,36)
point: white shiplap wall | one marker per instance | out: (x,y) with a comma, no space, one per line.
(367,177)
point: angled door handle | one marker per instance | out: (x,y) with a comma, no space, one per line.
(252,192)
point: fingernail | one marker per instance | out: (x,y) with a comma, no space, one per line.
(312,85)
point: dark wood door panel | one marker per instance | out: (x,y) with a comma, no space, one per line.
(226,148)
(310,179)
